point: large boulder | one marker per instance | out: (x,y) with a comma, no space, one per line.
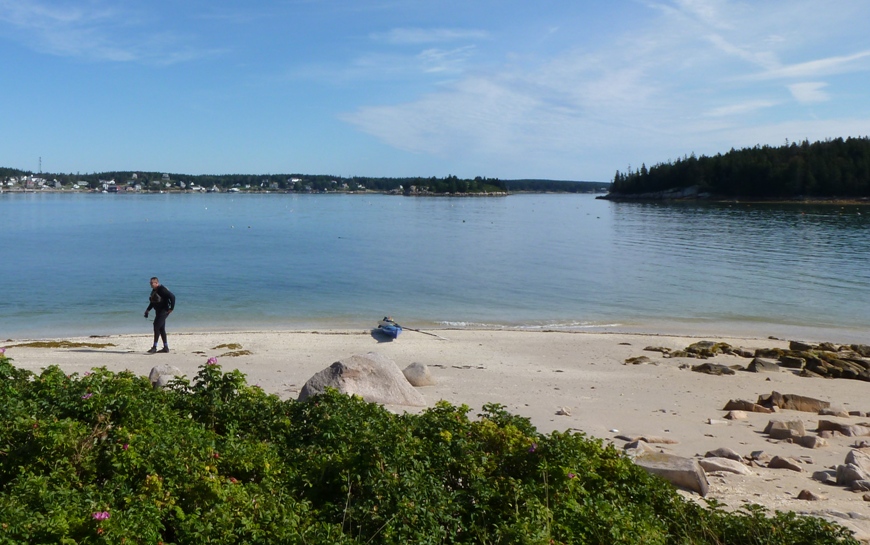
(372,376)
(855,472)
(724,465)
(763,365)
(681,472)
(160,375)
(793,402)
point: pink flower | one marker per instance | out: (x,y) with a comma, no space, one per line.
(2,350)
(87,395)
(126,446)
(533,448)
(571,475)
(101,515)
(211,361)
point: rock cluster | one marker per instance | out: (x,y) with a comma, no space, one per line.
(811,360)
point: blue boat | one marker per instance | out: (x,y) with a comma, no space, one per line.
(389,328)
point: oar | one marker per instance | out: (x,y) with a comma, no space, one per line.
(423,332)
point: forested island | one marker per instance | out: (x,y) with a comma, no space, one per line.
(139,181)
(835,169)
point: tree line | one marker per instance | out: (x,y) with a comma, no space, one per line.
(318,182)
(826,169)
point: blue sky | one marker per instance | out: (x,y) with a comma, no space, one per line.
(499,88)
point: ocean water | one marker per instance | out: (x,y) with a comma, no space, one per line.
(79,264)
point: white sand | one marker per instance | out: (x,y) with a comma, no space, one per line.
(534,374)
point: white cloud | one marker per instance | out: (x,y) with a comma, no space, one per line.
(809,92)
(419,36)
(94,32)
(688,81)
(741,108)
(856,62)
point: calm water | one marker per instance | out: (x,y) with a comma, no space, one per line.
(80,264)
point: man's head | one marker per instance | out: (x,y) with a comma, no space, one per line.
(154,282)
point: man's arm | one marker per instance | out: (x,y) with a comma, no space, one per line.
(170,297)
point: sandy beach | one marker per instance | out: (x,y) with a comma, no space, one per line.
(539,374)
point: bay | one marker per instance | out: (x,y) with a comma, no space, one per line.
(79,264)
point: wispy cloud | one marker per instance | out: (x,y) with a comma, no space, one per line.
(819,67)
(741,108)
(685,82)
(421,36)
(809,92)
(95,31)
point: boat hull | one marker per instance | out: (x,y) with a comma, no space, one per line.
(391,331)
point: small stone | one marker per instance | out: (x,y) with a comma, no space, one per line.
(811,441)
(723,452)
(779,462)
(785,429)
(866,497)
(807,495)
(736,415)
(759,455)
(639,360)
(564,411)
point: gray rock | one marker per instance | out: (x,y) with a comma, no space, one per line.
(779,462)
(831,411)
(162,374)
(808,495)
(638,360)
(792,362)
(860,486)
(759,455)
(800,346)
(683,473)
(737,415)
(372,376)
(744,352)
(723,452)
(825,476)
(724,464)
(743,405)
(785,429)
(793,402)
(763,365)
(418,374)
(849,430)
(713,369)
(849,473)
(811,441)
(859,458)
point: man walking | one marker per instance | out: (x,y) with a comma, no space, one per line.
(163,302)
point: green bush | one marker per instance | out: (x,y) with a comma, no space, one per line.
(105,458)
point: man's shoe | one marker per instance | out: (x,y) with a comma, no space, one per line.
(153,350)
(165,349)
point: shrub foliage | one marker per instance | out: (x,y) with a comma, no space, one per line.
(105,458)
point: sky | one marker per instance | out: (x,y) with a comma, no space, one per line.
(556,89)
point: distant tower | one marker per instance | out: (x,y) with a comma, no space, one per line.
(40,165)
